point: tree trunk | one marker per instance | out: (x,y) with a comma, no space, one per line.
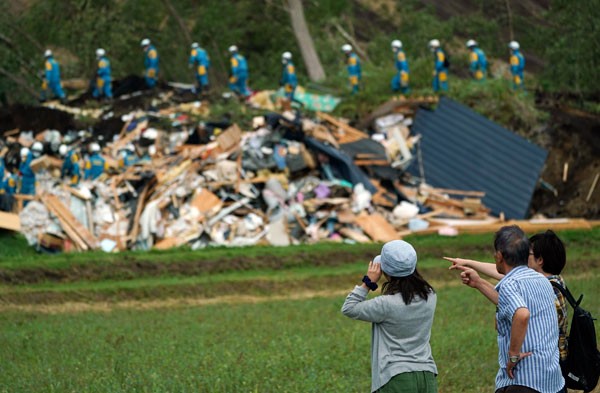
(305,41)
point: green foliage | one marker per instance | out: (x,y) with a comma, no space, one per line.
(572,46)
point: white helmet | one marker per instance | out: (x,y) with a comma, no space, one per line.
(286,56)
(514,45)
(37,147)
(346,48)
(145,42)
(94,147)
(150,133)
(233,49)
(471,43)
(434,43)
(24,152)
(195,45)
(396,44)
(100,52)
(62,150)
(48,53)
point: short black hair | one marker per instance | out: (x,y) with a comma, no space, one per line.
(551,249)
(513,245)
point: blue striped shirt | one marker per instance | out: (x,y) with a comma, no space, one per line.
(524,288)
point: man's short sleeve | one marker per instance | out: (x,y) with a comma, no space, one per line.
(509,299)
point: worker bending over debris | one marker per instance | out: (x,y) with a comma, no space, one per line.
(96,164)
(70,167)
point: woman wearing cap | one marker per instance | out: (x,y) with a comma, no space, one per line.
(400,354)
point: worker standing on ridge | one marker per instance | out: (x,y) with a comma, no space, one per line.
(102,87)
(517,65)
(440,66)
(400,81)
(238,82)
(51,78)
(26,173)
(150,63)
(353,65)
(200,60)
(70,167)
(477,61)
(96,164)
(288,76)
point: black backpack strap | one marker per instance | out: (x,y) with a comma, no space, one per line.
(567,294)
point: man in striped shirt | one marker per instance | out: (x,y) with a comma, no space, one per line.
(526,318)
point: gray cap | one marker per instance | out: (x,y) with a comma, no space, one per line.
(398,258)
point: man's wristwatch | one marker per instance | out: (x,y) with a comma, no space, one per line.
(514,359)
(370,284)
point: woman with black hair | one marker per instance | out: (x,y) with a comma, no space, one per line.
(401,321)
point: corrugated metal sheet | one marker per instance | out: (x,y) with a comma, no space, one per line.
(461,149)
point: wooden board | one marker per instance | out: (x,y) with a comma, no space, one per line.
(230,138)
(354,235)
(205,201)
(70,224)
(376,226)
(10,221)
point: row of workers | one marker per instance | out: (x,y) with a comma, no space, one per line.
(238,82)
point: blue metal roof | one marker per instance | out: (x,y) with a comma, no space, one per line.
(461,149)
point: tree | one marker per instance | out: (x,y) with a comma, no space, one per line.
(305,41)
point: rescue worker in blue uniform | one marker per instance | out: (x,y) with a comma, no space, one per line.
(102,87)
(440,67)
(150,63)
(127,157)
(8,185)
(26,173)
(238,82)
(288,76)
(70,167)
(96,164)
(517,65)
(201,62)
(400,81)
(353,65)
(51,80)
(477,61)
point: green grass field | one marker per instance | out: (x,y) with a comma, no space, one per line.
(267,327)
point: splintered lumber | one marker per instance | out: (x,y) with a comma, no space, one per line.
(10,221)
(205,201)
(129,137)
(354,235)
(46,162)
(589,195)
(350,134)
(377,227)
(230,138)
(141,202)
(72,227)
(477,194)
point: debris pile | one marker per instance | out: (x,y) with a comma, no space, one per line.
(171,180)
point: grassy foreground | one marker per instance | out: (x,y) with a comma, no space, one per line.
(245,338)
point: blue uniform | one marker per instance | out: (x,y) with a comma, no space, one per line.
(52,79)
(94,166)
(400,81)
(27,176)
(200,60)
(8,185)
(477,63)
(354,71)
(289,80)
(151,65)
(440,72)
(103,79)
(127,159)
(239,75)
(517,66)
(70,167)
